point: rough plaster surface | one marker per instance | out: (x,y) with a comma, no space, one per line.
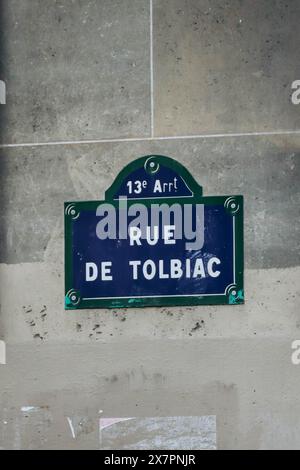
(238,59)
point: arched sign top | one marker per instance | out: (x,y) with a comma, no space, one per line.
(154,177)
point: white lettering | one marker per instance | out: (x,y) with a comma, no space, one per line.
(162,275)
(199,268)
(91,272)
(157,187)
(155,234)
(176,270)
(210,264)
(149,275)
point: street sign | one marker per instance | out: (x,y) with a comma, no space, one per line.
(154,241)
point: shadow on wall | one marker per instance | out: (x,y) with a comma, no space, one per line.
(2,65)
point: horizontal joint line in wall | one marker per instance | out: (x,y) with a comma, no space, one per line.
(147,139)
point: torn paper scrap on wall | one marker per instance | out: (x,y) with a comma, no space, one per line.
(2,92)
(176,432)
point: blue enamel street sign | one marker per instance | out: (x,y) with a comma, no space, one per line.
(154,241)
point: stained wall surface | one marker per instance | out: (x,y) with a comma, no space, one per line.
(90,86)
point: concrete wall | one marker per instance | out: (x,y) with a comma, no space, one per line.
(83,99)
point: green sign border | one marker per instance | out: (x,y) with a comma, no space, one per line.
(233,204)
